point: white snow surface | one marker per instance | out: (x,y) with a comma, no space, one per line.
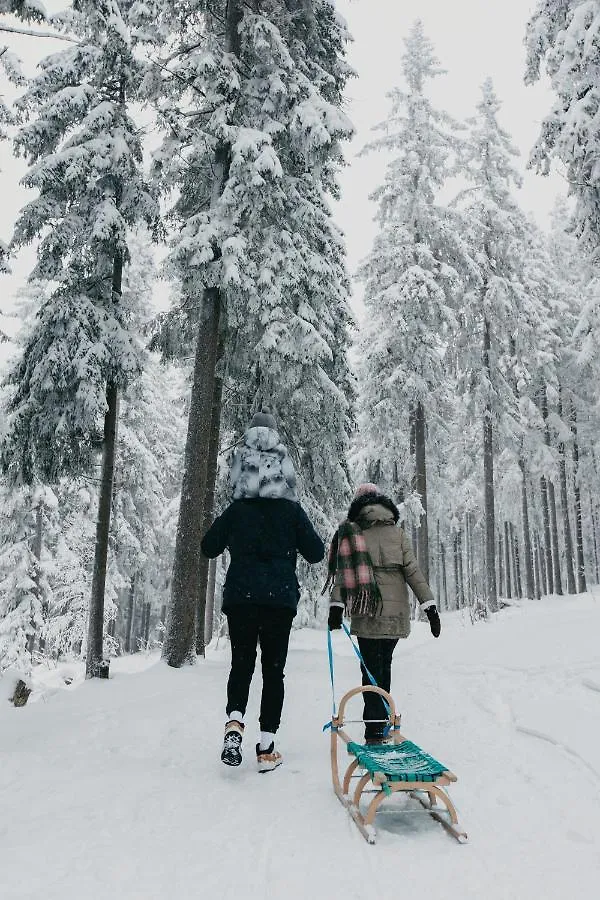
(115,789)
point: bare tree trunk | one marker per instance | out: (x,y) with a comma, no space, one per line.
(96,667)
(461,571)
(548,568)
(130,616)
(537,562)
(595,537)
(517,559)
(553,557)
(37,552)
(508,578)
(581,577)
(500,573)
(179,643)
(456,572)
(488,480)
(444,575)
(529,585)
(210,601)
(209,506)
(554,532)
(418,415)
(564,498)
(146,629)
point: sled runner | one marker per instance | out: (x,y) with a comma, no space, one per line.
(388,768)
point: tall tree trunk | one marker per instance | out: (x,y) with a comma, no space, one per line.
(507,567)
(37,552)
(444,575)
(517,561)
(488,480)
(210,601)
(564,499)
(529,585)
(95,665)
(130,616)
(581,578)
(461,579)
(554,532)
(594,519)
(179,643)
(500,572)
(418,415)
(548,567)
(553,559)
(537,563)
(209,505)
(456,572)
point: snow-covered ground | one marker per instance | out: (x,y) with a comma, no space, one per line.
(115,789)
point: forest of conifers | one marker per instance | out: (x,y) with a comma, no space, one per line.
(200,143)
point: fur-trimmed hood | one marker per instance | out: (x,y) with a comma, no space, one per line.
(357,506)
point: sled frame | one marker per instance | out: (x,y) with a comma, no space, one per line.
(427,793)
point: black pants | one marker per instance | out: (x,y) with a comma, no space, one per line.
(269,626)
(377,654)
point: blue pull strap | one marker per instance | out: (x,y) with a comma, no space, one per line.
(331,676)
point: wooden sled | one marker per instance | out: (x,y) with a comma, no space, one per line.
(388,768)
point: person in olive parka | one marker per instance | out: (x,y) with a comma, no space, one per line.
(371,564)
(264,529)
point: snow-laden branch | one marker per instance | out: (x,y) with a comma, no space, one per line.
(31,32)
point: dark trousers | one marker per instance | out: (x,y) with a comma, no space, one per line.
(377,654)
(269,626)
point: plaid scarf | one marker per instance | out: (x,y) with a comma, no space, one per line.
(349,556)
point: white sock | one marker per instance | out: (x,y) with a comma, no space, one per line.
(266,739)
(237,716)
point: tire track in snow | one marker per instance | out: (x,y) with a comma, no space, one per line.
(591,685)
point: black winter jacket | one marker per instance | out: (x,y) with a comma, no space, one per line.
(263,537)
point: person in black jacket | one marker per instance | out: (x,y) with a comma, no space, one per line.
(263,531)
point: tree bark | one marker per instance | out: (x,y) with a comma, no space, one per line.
(418,415)
(580,564)
(529,584)
(548,567)
(564,499)
(488,480)
(554,532)
(210,601)
(507,567)
(95,665)
(594,519)
(516,555)
(179,643)
(461,577)
(209,506)
(130,614)
(537,562)
(444,575)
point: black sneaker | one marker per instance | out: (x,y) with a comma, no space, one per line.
(231,754)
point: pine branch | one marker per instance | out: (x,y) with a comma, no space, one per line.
(30,32)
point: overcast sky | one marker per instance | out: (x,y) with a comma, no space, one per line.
(472,38)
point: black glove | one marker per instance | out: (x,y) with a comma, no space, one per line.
(434,620)
(336,614)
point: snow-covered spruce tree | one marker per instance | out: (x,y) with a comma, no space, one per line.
(412,276)
(496,232)
(85,160)
(24,589)
(563,34)
(255,124)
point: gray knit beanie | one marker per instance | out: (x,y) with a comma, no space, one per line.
(263,419)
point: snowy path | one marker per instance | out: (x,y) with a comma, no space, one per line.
(116,790)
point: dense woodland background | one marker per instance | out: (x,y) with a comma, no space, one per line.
(208,135)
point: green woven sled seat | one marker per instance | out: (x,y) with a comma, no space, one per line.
(399,762)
